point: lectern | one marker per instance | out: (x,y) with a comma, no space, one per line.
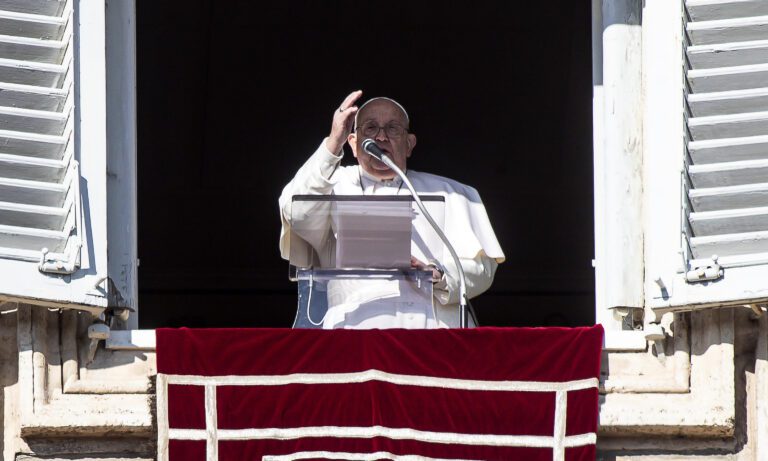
(351,258)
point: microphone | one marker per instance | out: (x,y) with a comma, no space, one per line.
(369,145)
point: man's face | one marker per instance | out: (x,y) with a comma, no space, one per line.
(385,123)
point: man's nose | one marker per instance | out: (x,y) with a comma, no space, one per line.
(381,134)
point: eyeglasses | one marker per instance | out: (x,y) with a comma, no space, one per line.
(371,130)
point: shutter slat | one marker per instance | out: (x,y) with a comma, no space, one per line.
(728,30)
(728,174)
(33,144)
(729,221)
(731,197)
(32,97)
(706,10)
(724,102)
(36,7)
(728,54)
(730,244)
(32,121)
(31,168)
(750,244)
(32,25)
(40,217)
(728,126)
(32,49)
(32,192)
(728,78)
(27,238)
(32,73)
(728,149)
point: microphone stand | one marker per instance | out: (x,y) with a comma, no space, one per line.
(462,280)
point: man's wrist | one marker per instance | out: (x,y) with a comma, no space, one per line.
(333,147)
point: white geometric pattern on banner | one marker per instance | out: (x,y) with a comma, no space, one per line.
(212,434)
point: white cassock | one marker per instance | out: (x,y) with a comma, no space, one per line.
(466,226)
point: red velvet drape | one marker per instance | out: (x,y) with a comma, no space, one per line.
(403,411)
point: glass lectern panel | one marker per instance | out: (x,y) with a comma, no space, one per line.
(351,257)
(356,231)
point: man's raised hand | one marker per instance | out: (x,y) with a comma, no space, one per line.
(343,119)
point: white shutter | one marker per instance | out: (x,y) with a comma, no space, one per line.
(705,153)
(53,153)
(727,168)
(39,177)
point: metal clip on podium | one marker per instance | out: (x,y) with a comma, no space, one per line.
(351,256)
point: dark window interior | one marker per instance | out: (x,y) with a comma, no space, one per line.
(234,96)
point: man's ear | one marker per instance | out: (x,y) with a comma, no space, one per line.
(352,141)
(410,141)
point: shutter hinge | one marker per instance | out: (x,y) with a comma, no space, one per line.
(705,272)
(62,266)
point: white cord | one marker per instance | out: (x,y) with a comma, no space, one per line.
(309,303)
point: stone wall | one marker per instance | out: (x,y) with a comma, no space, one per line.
(700,394)
(68,398)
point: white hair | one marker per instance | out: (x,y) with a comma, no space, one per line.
(379,98)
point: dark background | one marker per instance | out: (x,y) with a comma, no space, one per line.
(234,96)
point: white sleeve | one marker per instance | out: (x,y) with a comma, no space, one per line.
(313,178)
(478,271)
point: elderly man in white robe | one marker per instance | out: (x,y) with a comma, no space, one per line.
(466,221)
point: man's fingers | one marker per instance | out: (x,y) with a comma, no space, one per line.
(348,112)
(345,119)
(347,109)
(350,99)
(415,262)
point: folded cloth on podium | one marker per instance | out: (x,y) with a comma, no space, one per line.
(446,394)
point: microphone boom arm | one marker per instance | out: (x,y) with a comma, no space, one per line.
(462,280)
